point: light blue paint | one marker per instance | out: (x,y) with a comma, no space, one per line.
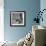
(30,6)
(43,6)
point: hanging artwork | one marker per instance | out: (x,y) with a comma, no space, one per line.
(17,18)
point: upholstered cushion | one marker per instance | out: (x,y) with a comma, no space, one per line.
(20,42)
(11,43)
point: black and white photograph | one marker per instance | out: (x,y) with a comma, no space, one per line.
(17,18)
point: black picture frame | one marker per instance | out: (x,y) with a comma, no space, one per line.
(17,18)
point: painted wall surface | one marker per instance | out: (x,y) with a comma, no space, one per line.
(30,6)
(1,21)
(43,6)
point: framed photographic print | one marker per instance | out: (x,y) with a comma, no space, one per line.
(17,18)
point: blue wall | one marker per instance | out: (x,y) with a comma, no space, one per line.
(30,6)
(43,6)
